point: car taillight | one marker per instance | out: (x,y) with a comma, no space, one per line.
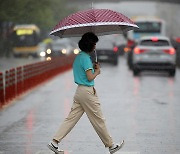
(138,50)
(127,49)
(130,43)
(115,49)
(178,40)
(170,51)
(154,39)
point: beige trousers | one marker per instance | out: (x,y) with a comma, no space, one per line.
(85,100)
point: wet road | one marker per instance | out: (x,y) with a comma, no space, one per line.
(144,111)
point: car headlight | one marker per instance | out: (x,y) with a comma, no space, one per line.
(64,51)
(42,54)
(48,58)
(76,51)
(48,51)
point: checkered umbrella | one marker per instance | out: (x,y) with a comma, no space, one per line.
(98,21)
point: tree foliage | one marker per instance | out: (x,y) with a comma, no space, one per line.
(44,13)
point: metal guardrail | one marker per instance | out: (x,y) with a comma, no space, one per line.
(17,81)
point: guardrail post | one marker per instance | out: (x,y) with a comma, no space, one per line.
(25,77)
(7,89)
(19,84)
(12,83)
(1,90)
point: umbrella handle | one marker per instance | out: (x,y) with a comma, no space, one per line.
(96,60)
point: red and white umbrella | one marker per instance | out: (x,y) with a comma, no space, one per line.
(98,21)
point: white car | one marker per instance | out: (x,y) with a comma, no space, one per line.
(63,46)
(154,53)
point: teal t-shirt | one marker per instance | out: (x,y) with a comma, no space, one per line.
(81,64)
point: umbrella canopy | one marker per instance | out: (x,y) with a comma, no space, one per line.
(98,21)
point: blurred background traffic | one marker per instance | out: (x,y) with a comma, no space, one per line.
(25,27)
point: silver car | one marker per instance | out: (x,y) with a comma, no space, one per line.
(154,53)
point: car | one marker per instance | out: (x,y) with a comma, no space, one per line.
(154,53)
(63,47)
(129,50)
(106,50)
(176,43)
(43,49)
(75,47)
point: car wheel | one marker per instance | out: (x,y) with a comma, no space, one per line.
(136,71)
(130,60)
(172,72)
(115,62)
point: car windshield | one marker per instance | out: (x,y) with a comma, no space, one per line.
(148,27)
(154,43)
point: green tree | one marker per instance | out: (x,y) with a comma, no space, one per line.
(44,13)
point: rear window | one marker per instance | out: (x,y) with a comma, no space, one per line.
(154,43)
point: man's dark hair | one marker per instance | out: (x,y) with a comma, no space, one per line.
(88,41)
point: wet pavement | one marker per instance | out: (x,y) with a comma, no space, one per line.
(144,111)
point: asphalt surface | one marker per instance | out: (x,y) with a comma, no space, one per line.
(144,111)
